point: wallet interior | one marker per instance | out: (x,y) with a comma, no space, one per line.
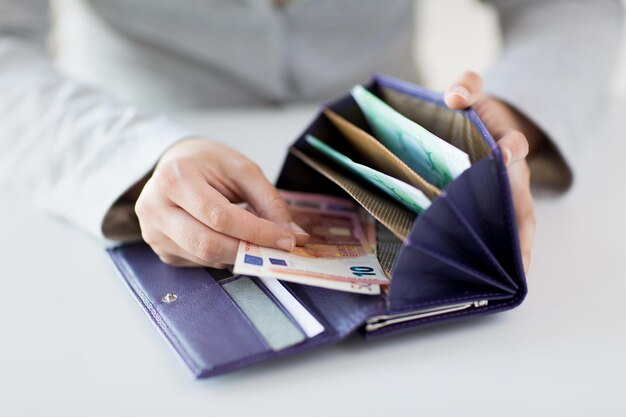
(454,251)
(348,132)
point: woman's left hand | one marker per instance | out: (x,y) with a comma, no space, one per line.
(515,135)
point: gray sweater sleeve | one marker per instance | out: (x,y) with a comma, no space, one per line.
(555,69)
(73,150)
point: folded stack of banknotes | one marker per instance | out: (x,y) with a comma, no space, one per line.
(404,161)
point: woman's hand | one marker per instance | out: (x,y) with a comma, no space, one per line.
(516,136)
(188,209)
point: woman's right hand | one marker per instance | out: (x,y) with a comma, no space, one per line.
(188,209)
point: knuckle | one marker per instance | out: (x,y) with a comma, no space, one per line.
(207,250)
(142,208)
(145,208)
(254,235)
(276,202)
(171,173)
(170,260)
(151,239)
(246,166)
(218,217)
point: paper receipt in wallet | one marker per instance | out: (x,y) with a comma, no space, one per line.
(338,255)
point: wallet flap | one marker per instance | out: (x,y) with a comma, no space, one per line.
(189,308)
(206,328)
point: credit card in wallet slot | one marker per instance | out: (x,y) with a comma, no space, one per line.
(308,323)
(274,326)
(406,194)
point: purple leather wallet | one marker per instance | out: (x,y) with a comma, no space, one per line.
(461,258)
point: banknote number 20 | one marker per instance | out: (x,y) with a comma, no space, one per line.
(360,271)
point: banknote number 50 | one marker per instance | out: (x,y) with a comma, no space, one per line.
(360,271)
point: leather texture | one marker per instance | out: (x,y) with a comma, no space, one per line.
(207,329)
(463,248)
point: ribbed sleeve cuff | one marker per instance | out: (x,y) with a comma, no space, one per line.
(551,167)
(133,159)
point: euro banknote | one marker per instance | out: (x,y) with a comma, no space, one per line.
(405,194)
(339,254)
(433,158)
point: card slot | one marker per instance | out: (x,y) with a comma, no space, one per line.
(377,156)
(268,318)
(391,214)
(292,307)
(343,312)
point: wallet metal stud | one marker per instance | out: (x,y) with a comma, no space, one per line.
(169,297)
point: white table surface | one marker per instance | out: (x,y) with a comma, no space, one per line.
(75,343)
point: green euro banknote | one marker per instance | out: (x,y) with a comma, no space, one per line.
(406,194)
(437,161)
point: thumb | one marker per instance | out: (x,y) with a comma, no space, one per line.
(514,146)
(465,91)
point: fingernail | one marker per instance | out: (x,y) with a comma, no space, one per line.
(507,156)
(286,244)
(461,92)
(297,229)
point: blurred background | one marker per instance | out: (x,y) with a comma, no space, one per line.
(466,40)
(446,44)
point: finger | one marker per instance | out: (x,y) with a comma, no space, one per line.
(514,146)
(172,254)
(465,91)
(168,258)
(524,209)
(159,244)
(199,242)
(154,216)
(186,187)
(267,201)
